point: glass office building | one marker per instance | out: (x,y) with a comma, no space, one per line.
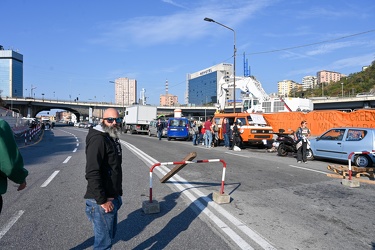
(203,85)
(11,73)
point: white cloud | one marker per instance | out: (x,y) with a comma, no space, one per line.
(183,25)
(173,3)
(356,62)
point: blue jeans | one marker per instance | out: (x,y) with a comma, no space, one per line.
(226,140)
(200,139)
(159,134)
(195,139)
(208,138)
(104,224)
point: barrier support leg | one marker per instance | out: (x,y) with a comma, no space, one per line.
(349,182)
(151,208)
(220,198)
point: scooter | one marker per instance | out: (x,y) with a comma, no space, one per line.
(285,143)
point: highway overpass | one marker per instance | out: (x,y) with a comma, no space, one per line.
(30,107)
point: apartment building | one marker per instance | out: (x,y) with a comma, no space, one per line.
(125,91)
(309,82)
(168,100)
(325,76)
(287,88)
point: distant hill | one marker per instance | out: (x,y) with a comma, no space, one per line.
(355,83)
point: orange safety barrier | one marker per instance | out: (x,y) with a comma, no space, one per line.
(321,120)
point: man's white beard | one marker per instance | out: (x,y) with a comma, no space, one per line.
(112,131)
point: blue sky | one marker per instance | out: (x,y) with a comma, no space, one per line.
(74,48)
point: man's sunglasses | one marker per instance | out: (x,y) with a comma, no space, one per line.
(111,119)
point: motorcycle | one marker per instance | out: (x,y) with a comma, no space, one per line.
(285,143)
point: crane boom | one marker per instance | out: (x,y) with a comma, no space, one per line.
(255,98)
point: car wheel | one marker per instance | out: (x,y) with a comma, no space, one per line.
(281,150)
(362,161)
(309,154)
(168,138)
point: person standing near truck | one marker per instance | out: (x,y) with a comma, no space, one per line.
(225,130)
(208,131)
(159,128)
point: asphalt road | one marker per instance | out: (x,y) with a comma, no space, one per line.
(275,202)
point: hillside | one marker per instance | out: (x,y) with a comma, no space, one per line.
(361,82)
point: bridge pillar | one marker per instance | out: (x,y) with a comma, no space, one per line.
(28,111)
(90,114)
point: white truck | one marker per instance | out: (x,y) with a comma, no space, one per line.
(137,118)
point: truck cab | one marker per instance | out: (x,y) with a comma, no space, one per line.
(254,128)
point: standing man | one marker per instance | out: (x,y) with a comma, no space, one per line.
(208,131)
(301,137)
(196,133)
(104,178)
(11,161)
(225,130)
(159,128)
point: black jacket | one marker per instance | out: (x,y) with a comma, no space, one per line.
(103,166)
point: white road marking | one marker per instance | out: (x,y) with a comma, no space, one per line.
(75,150)
(11,222)
(50,178)
(309,169)
(293,166)
(210,204)
(67,159)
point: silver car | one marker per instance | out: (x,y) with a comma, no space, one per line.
(153,131)
(339,143)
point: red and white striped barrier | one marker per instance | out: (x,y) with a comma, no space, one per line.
(189,162)
(350,160)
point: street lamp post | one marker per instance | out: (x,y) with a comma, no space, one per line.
(234,59)
(31,91)
(43,96)
(342,89)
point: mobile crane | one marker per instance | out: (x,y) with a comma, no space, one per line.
(255,99)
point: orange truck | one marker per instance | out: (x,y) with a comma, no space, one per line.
(254,128)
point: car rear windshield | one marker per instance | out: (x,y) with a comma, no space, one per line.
(177,123)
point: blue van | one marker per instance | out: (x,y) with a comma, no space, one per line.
(178,128)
